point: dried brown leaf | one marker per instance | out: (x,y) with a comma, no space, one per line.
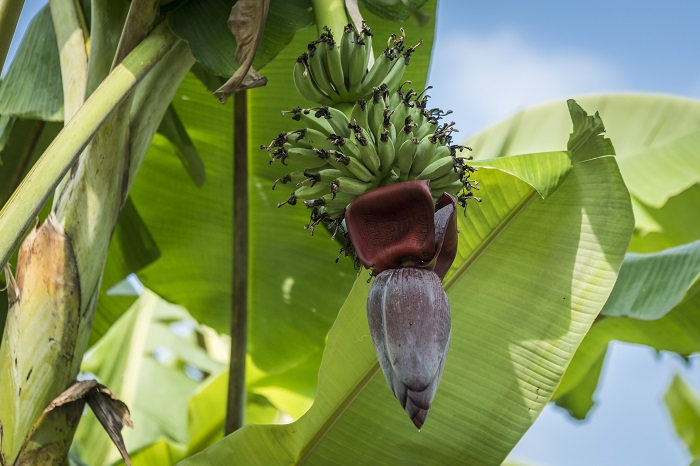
(247,22)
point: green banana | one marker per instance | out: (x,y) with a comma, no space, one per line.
(393,77)
(346,146)
(305,117)
(349,185)
(325,175)
(375,76)
(445,180)
(403,133)
(334,65)
(340,201)
(359,170)
(305,83)
(317,67)
(424,155)
(359,114)
(304,158)
(438,168)
(347,45)
(452,188)
(312,192)
(405,156)
(368,151)
(358,63)
(337,120)
(318,139)
(375,112)
(386,153)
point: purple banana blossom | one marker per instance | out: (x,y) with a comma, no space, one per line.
(409,244)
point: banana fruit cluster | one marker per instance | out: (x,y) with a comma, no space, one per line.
(332,72)
(387,138)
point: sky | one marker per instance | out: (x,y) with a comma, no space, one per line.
(494,58)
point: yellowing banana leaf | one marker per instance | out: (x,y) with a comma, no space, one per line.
(529,279)
(655,138)
(683,405)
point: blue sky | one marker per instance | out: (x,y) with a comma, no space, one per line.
(494,58)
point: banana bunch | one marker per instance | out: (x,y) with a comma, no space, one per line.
(338,156)
(331,72)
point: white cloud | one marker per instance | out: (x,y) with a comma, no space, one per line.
(487,78)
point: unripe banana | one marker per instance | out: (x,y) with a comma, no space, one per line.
(303,158)
(393,78)
(438,168)
(368,151)
(386,153)
(305,117)
(358,63)
(403,134)
(346,147)
(452,188)
(317,67)
(340,201)
(327,175)
(346,48)
(358,115)
(336,119)
(293,177)
(312,192)
(375,112)
(424,155)
(334,64)
(318,139)
(305,83)
(349,186)
(375,76)
(445,180)
(405,156)
(359,170)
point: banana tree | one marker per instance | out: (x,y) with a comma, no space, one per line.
(534,262)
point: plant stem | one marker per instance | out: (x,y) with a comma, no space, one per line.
(9,15)
(235,406)
(330,13)
(22,208)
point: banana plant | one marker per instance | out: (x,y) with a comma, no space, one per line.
(533,263)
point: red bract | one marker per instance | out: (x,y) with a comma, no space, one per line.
(397,225)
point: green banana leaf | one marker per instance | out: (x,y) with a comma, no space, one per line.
(650,285)
(683,405)
(655,138)
(655,303)
(296,288)
(32,88)
(530,277)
